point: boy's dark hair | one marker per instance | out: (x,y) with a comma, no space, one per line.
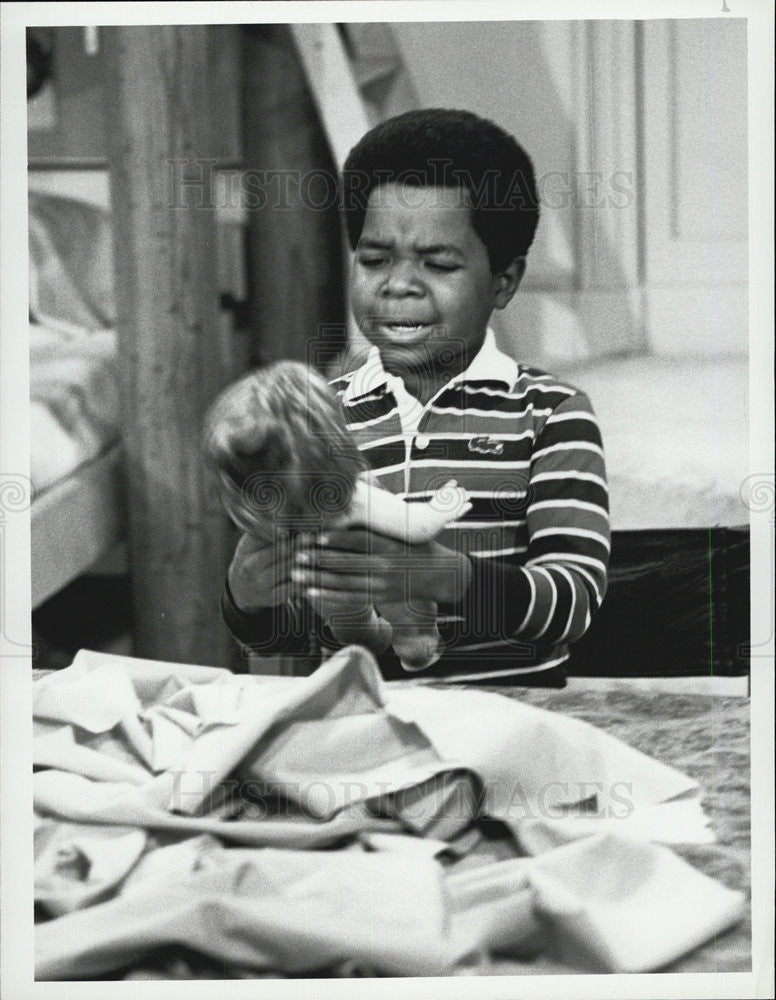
(437,147)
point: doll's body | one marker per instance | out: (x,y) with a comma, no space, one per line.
(415,637)
(286,463)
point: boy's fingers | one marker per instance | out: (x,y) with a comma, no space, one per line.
(347,563)
(365,542)
(352,540)
(345,583)
(333,600)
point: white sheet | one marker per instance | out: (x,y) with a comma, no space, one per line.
(74,400)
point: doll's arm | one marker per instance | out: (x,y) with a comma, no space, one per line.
(414,523)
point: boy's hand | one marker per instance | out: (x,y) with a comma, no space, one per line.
(260,572)
(359,562)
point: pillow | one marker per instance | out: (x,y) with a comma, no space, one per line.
(71,263)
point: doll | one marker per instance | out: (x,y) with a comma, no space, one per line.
(287,464)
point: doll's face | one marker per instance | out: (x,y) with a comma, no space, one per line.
(422,289)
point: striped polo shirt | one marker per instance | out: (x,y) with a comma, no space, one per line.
(527,449)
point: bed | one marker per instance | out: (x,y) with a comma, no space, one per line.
(78,512)
(676,438)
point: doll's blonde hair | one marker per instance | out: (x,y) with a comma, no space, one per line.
(283,456)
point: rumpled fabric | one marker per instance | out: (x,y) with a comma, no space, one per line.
(79,864)
(188,805)
(293,910)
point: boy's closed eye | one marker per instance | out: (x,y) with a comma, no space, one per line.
(434,265)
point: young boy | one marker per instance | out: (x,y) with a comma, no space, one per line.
(441,210)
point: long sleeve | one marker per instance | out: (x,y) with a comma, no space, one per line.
(548,594)
(568,525)
(290,629)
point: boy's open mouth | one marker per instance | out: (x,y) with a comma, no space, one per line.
(402,329)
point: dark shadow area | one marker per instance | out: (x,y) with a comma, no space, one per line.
(677,605)
(91,612)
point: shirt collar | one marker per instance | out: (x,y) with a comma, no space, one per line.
(488,365)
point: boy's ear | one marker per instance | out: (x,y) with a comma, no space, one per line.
(507,282)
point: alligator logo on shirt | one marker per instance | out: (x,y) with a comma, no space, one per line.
(486,445)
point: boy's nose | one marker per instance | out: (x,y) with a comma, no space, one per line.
(402,279)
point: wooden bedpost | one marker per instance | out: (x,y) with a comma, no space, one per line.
(295,245)
(160,129)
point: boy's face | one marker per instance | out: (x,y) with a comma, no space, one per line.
(421,288)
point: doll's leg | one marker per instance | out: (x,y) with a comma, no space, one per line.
(363,628)
(416,639)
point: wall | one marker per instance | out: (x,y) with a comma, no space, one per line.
(694,221)
(638,135)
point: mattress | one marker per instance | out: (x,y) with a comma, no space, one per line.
(75,521)
(676,438)
(74,401)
